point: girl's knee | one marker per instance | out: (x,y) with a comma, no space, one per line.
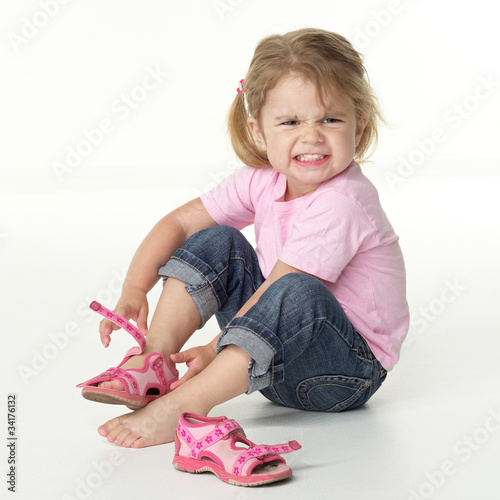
(214,237)
(301,285)
(299,279)
(219,232)
(300,294)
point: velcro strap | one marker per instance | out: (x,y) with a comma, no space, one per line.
(220,432)
(121,322)
(129,382)
(262,451)
(158,369)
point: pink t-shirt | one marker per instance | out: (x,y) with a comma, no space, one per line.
(339,233)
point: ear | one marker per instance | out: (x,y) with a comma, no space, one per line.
(257,132)
(360,128)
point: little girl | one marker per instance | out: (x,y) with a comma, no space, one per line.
(315,316)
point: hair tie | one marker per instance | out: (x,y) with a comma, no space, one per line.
(241,88)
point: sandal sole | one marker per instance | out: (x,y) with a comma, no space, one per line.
(197,466)
(103,396)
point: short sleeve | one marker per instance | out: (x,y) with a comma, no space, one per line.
(327,235)
(230,202)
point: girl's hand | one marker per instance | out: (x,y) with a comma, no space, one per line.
(132,304)
(196,359)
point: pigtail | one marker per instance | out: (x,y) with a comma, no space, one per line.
(242,139)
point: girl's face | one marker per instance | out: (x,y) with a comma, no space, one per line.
(305,141)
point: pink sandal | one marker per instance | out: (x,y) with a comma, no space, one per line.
(142,385)
(206,444)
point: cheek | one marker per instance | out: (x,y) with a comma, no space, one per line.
(273,156)
(344,147)
(352,140)
(273,146)
(276,156)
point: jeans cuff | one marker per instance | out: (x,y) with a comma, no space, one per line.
(198,285)
(262,369)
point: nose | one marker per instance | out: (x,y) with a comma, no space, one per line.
(311,134)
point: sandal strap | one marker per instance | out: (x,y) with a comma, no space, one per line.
(114,373)
(197,446)
(217,440)
(224,429)
(138,381)
(125,377)
(160,374)
(121,322)
(260,452)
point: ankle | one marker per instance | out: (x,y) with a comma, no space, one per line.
(184,398)
(151,350)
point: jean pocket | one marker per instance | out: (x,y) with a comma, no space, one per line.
(333,393)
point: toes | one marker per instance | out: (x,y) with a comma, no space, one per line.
(148,426)
(120,437)
(115,385)
(141,442)
(119,432)
(127,438)
(113,434)
(102,431)
(109,426)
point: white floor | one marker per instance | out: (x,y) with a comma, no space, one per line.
(431,432)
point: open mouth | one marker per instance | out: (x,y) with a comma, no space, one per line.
(311,159)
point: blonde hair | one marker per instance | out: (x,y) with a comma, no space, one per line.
(326,59)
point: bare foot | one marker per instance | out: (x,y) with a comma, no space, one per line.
(154,424)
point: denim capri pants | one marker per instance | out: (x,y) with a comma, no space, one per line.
(304,351)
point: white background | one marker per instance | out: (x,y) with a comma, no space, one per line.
(68,233)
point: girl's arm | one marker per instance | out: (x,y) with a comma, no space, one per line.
(168,235)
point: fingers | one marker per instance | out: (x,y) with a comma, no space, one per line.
(107,327)
(126,311)
(184,356)
(142,320)
(137,313)
(105,330)
(178,357)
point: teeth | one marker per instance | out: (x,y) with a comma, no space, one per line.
(310,157)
